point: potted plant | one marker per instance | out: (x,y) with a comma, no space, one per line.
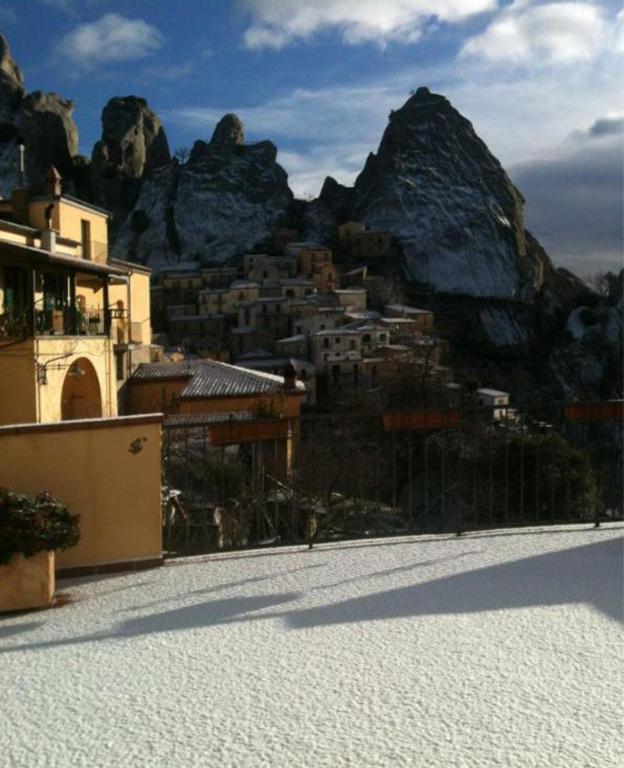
(30,531)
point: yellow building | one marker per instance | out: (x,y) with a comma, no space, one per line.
(73,323)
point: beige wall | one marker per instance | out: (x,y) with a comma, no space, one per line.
(24,399)
(18,388)
(154,396)
(135,295)
(98,350)
(108,471)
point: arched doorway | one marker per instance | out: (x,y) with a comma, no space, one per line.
(81,397)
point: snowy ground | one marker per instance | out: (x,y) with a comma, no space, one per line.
(503,649)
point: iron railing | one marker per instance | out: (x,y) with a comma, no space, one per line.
(362,475)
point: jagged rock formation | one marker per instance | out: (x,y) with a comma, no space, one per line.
(226,198)
(229,130)
(43,122)
(434,184)
(49,132)
(11,81)
(133,144)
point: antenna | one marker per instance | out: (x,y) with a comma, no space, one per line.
(21,149)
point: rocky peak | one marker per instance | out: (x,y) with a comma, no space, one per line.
(11,80)
(337,198)
(229,131)
(437,188)
(133,144)
(47,128)
(133,139)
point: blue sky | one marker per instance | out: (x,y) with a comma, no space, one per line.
(319,78)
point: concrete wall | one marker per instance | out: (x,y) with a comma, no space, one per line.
(107,470)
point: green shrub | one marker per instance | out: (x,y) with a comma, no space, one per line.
(34,525)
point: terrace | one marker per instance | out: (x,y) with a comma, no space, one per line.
(499,648)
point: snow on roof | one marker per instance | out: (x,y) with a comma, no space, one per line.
(397,320)
(236,284)
(344,331)
(297,337)
(403,308)
(422,651)
(492,392)
(211,378)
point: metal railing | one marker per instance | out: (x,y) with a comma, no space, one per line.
(364,475)
(64,321)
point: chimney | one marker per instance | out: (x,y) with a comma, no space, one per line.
(48,235)
(52,184)
(48,240)
(290,377)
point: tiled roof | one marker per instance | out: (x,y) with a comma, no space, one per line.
(162,371)
(210,378)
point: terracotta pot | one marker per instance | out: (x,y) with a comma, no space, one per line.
(27,582)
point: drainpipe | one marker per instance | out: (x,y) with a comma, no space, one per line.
(129,298)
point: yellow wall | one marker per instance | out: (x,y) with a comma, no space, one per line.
(97,471)
(66,220)
(99,352)
(136,301)
(23,399)
(37,219)
(153,396)
(18,388)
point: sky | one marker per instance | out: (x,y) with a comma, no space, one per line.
(542,83)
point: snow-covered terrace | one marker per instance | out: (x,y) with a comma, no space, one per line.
(497,649)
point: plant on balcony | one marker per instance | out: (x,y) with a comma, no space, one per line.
(29,526)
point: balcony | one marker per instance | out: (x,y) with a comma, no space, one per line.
(67,321)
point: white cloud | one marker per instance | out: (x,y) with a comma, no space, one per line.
(562,32)
(276,23)
(111,38)
(168,72)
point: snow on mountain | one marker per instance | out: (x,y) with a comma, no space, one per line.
(221,202)
(434,184)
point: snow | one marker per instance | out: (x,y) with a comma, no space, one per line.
(499,649)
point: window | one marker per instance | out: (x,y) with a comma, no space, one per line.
(383,337)
(241,296)
(290,294)
(119,366)
(298,329)
(366,338)
(322,327)
(85,236)
(325,343)
(265,309)
(265,273)
(352,344)
(278,309)
(337,340)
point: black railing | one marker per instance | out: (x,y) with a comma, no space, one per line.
(65,321)
(363,475)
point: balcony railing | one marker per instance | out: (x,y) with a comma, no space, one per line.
(67,321)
